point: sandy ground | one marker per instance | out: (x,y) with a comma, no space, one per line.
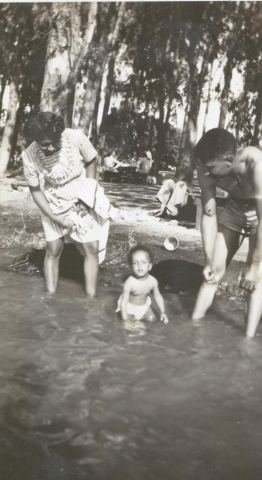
(21,226)
(85,396)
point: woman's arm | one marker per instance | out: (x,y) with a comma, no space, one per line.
(91,169)
(89,154)
(43,205)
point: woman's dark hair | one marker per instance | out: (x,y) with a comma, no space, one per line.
(139,248)
(215,143)
(44,125)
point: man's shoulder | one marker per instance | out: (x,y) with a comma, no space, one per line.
(205,181)
(250,154)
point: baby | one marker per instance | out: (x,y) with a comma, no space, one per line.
(135,303)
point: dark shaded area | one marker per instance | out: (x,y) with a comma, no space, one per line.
(71,263)
(172,275)
(177,275)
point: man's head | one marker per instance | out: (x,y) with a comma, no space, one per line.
(216,151)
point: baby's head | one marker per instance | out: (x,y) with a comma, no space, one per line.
(140,259)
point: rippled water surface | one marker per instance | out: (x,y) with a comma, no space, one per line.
(85,396)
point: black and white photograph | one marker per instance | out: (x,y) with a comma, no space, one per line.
(131,240)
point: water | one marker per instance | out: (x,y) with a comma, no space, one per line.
(85,396)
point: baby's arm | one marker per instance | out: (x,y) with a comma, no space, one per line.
(125,298)
(159,301)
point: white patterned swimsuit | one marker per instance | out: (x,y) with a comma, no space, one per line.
(61,176)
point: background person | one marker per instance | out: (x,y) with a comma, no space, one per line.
(144,165)
(111,163)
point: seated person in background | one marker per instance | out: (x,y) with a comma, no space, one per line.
(144,164)
(111,163)
(172,196)
(134,303)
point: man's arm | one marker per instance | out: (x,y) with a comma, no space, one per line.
(159,301)
(251,274)
(208,220)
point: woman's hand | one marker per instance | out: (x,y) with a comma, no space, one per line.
(81,209)
(62,221)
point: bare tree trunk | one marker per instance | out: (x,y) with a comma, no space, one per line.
(196,81)
(3,84)
(208,100)
(95,74)
(108,87)
(257,123)
(225,92)
(6,145)
(66,52)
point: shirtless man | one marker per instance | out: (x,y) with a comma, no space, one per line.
(240,174)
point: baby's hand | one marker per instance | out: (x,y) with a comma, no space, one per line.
(164,318)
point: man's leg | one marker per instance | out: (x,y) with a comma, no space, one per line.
(253,307)
(51,264)
(226,245)
(91,267)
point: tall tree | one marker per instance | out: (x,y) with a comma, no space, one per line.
(108,28)
(21,48)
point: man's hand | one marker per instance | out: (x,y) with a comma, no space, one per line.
(209,273)
(249,278)
(164,318)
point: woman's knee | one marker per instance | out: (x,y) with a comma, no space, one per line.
(91,248)
(54,249)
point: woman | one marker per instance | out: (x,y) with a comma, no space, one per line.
(55,165)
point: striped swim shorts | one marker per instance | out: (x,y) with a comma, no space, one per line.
(239,216)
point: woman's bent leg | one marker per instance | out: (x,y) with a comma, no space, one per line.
(51,265)
(91,267)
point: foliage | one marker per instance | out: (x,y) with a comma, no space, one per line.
(154,56)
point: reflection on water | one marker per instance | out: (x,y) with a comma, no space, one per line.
(86,396)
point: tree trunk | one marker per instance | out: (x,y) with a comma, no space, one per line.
(16,128)
(95,73)
(65,54)
(226,90)
(8,134)
(208,100)
(109,87)
(257,123)
(196,81)
(3,84)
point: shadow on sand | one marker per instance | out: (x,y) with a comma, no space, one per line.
(174,276)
